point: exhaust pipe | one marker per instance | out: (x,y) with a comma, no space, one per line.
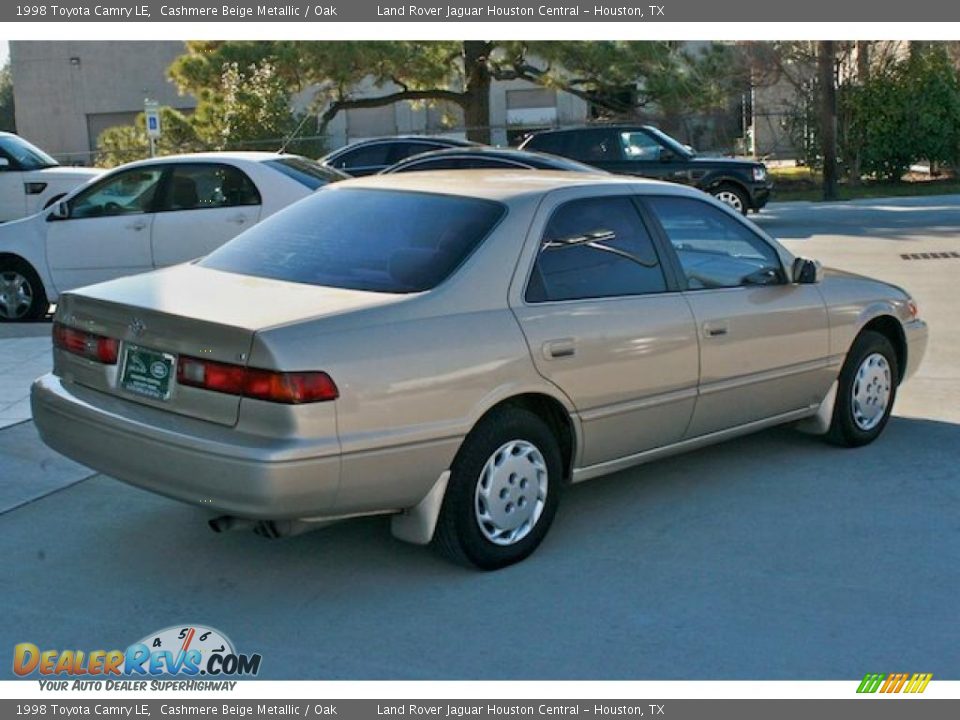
(272,529)
(227,522)
(275,529)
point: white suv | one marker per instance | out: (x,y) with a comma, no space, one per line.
(30,180)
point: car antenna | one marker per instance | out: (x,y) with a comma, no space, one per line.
(289,139)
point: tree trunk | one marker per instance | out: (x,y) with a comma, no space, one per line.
(863,76)
(826,56)
(476,95)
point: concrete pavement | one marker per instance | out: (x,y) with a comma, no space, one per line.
(773,556)
(24,355)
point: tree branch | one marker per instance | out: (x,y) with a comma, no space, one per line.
(347,103)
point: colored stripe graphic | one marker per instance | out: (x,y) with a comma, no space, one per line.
(894,682)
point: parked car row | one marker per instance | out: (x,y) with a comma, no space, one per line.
(640,150)
(160,212)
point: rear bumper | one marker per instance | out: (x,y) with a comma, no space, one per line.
(917,334)
(190,460)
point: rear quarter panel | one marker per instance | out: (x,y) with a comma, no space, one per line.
(416,375)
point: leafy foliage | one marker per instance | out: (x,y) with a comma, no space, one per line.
(908,113)
(8,121)
(616,76)
(247,107)
(126,143)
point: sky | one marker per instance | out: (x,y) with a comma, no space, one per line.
(4,52)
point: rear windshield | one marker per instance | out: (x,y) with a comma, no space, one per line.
(304,171)
(377,240)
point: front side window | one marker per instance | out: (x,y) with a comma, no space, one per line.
(23,156)
(594,248)
(202,187)
(376,240)
(129,192)
(716,250)
(639,146)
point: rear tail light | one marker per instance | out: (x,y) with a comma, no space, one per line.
(87,345)
(293,388)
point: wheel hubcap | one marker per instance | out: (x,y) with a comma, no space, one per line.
(871,391)
(16,295)
(511,492)
(731,199)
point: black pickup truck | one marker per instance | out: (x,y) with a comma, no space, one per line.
(646,151)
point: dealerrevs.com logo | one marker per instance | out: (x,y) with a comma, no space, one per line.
(189,651)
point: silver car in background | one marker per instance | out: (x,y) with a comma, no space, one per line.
(451,348)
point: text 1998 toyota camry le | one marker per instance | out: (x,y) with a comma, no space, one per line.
(452,347)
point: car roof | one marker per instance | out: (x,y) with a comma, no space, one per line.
(500,184)
(407,138)
(439,139)
(510,154)
(579,128)
(222,156)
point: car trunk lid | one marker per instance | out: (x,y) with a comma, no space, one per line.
(186,311)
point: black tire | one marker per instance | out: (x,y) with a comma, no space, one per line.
(844,428)
(724,191)
(39,305)
(458,534)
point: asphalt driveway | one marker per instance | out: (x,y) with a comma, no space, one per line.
(769,557)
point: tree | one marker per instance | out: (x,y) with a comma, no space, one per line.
(126,143)
(615,76)
(8,121)
(247,108)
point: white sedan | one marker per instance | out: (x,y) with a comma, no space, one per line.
(31,180)
(142,216)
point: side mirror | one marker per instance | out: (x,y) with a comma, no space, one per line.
(807,272)
(60,211)
(667,155)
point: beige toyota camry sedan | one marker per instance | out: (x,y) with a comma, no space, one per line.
(452,348)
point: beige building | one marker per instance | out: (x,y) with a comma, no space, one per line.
(68,92)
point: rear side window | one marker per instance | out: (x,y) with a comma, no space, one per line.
(594,248)
(306,172)
(376,240)
(373,155)
(458,163)
(555,143)
(595,146)
(403,150)
(201,187)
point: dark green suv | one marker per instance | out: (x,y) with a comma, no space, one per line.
(646,151)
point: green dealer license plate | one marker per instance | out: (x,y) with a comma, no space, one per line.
(147,372)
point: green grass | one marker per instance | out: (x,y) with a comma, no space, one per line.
(802,183)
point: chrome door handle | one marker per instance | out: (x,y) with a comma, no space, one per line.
(556,349)
(715,329)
